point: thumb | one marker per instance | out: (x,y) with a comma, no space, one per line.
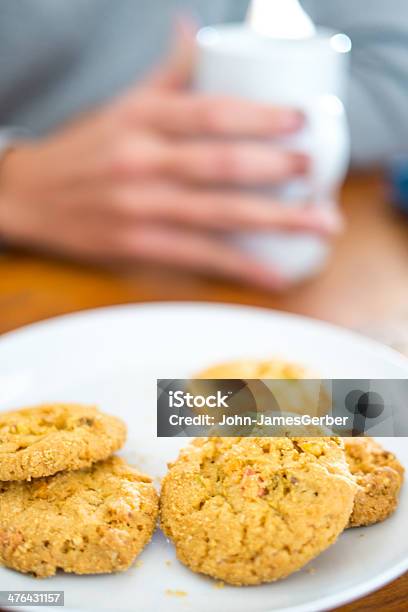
(176,71)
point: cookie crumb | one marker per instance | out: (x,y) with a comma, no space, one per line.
(219,584)
(168,563)
(176,593)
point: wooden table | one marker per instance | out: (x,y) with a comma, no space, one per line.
(366,283)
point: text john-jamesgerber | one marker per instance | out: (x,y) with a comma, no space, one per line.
(206,420)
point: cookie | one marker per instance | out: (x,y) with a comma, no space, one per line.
(43,440)
(255,368)
(90,521)
(253,510)
(379,476)
(295,398)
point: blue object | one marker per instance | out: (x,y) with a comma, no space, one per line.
(398,181)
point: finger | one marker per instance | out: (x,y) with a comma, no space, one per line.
(222,210)
(198,252)
(204,161)
(197,114)
(232,163)
(175,73)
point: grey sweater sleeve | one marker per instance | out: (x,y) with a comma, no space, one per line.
(74,57)
(378,94)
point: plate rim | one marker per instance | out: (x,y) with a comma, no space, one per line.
(326,603)
(399,359)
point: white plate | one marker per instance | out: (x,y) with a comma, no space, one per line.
(113,356)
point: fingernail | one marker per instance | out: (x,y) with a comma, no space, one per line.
(281,284)
(330,219)
(186,24)
(270,281)
(300,163)
(291,119)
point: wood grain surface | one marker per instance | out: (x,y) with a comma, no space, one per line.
(365,284)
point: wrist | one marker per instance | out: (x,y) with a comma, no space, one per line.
(17,190)
(7,147)
(5,150)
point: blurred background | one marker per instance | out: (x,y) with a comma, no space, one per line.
(121,182)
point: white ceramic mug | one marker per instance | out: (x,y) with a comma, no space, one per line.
(309,74)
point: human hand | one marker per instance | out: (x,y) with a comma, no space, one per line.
(143,178)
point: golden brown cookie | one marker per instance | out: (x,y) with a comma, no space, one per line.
(46,439)
(252,510)
(379,475)
(303,396)
(91,521)
(255,368)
